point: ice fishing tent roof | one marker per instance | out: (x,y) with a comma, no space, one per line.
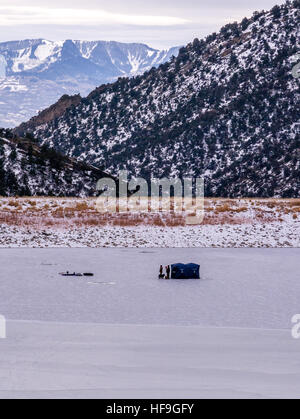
(182,271)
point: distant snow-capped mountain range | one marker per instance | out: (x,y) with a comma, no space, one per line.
(35,73)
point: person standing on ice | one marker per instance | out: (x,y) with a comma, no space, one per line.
(168,271)
(161,272)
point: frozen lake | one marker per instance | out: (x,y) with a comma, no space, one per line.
(126,334)
(254,288)
(57,360)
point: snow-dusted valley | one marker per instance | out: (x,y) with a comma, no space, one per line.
(124,333)
(35,73)
(71,222)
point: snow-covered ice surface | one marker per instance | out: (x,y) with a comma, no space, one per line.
(96,361)
(256,288)
(124,333)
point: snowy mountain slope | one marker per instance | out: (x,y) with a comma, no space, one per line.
(52,69)
(54,111)
(226,109)
(26,169)
(113,58)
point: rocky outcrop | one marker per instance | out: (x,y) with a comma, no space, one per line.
(49,114)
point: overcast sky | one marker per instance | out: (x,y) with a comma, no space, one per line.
(159,23)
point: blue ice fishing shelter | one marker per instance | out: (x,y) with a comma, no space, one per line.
(181,271)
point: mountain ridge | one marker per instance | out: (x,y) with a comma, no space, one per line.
(225,109)
(35,73)
(29,54)
(47,115)
(26,169)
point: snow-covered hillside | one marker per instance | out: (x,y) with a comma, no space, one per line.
(64,67)
(225,109)
(27,169)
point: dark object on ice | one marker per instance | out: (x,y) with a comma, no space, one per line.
(74,274)
(161,273)
(70,274)
(181,271)
(168,271)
